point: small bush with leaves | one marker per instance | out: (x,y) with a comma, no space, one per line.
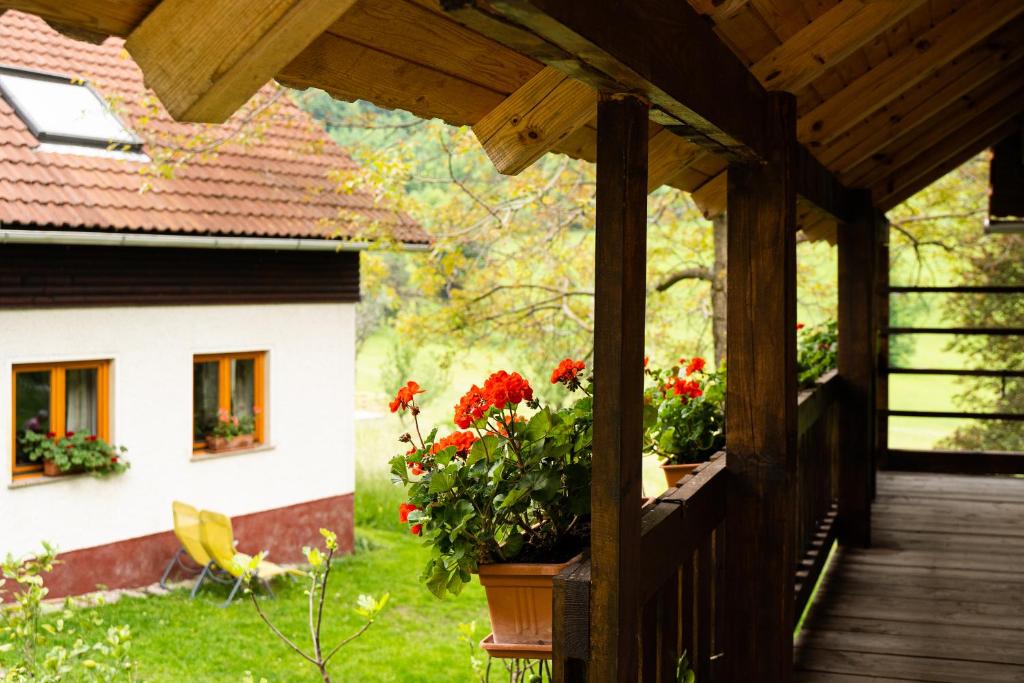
(817,351)
(319,572)
(76,451)
(73,644)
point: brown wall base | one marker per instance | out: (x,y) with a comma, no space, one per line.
(140,561)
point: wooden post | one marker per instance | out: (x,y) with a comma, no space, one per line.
(619,297)
(857,353)
(761,410)
(882,363)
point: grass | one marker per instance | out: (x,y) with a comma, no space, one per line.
(415,638)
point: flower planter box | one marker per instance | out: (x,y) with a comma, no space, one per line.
(215,444)
(673,473)
(519,600)
(50,469)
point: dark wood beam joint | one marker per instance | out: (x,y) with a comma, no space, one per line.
(822,188)
(662,49)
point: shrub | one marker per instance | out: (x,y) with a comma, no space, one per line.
(817,352)
(77,450)
(64,647)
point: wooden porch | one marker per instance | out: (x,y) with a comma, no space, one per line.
(939,596)
(785,115)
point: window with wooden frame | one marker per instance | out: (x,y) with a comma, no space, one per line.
(58,399)
(228,387)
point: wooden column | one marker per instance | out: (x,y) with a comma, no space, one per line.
(881,454)
(619,297)
(761,418)
(857,356)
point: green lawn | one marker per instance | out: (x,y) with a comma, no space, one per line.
(414,639)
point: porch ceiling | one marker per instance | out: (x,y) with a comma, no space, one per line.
(890,93)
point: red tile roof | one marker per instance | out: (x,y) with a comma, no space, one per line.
(277,186)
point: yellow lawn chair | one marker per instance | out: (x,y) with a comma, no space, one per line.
(186,529)
(218,539)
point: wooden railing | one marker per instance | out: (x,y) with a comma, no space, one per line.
(817,483)
(678,591)
(682,533)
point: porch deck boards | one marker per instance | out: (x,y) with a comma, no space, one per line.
(938,598)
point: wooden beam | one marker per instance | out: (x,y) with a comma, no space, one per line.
(856,373)
(995,57)
(761,406)
(668,155)
(710,197)
(719,10)
(967,137)
(409,30)
(828,40)
(620,291)
(969,25)
(881,322)
(698,83)
(205,59)
(350,71)
(535,118)
(100,17)
(1005,94)
(887,199)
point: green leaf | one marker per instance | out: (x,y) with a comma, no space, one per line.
(483,449)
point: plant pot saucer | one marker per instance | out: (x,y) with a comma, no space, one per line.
(514,650)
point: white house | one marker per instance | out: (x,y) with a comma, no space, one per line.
(139,316)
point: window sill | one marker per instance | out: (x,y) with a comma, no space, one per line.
(42,480)
(202,456)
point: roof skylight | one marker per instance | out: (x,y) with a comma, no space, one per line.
(58,109)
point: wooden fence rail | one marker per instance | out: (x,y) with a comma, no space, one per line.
(817,483)
(681,574)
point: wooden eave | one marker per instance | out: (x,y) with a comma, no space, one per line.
(888,92)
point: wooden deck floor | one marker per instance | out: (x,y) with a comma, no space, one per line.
(940,596)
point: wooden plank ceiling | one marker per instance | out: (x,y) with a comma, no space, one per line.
(890,93)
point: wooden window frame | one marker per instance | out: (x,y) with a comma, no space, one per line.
(223,360)
(58,396)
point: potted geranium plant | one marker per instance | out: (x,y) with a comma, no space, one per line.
(76,452)
(231,432)
(684,416)
(817,351)
(506,496)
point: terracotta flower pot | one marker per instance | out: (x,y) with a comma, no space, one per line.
(50,469)
(673,473)
(221,443)
(519,600)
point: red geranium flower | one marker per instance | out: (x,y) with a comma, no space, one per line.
(416,469)
(50,435)
(471,407)
(405,397)
(403,511)
(567,372)
(91,438)
(416,529)
(113,458)
(800,326)
(462,441)
(502,389)
(647,359)
(686,388)
(695,365)
(69,434)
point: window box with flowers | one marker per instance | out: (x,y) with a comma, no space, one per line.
(817,351)
(232,432)
(74,453)
(684,416)
(506,496)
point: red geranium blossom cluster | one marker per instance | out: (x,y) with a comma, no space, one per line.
(463,441)
(405,397)
(696,365)
(567,373)
(403,516)
(687,388)
(500,390)
(471,407)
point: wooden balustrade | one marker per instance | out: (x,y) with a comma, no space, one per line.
(680,569)
(817,483)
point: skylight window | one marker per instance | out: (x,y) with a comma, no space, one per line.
(60,110)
